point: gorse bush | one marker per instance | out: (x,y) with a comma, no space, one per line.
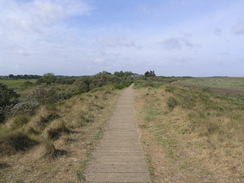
(82,84)
(26,106)
(48,78)
(44,95)
(122,84)
(2,114)
(8,98)
(102,79)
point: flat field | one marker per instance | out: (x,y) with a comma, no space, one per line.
(220,84)
(17,84)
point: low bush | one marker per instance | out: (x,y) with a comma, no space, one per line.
(83,84)
(27,106)
(2,114)
(8,98)
(44,95)
(122,84)
(48,78)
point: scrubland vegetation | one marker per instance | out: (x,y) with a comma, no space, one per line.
(192,128)
(48,129)
(192,134)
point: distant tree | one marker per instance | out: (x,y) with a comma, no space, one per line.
(11,76)
(149,74)
(48,78)
(19,76)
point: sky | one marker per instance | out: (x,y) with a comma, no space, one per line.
(83,37)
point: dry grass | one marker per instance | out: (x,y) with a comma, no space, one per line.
(66,134)
(191,135)
(14,143)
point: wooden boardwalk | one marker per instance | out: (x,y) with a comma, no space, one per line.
(119,156)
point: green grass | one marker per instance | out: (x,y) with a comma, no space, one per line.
(236,83)
(16,84)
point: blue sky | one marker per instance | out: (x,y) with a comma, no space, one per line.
(78,37)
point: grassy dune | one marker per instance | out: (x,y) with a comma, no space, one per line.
(54,143)
(192,135)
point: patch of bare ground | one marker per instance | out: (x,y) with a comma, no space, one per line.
(191,140)
(66,134)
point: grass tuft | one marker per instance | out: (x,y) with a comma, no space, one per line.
(55,130)
(16,142)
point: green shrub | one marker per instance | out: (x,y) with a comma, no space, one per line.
(44,95)
(27,106)
(48,78)
(122,85)
(2,115)
(83,84)
(8,98)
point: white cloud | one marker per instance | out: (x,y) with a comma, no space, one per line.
(33,31)
(36,14)
(35,19)
(35,36)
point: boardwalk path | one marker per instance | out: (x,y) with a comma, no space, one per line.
(119,156)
